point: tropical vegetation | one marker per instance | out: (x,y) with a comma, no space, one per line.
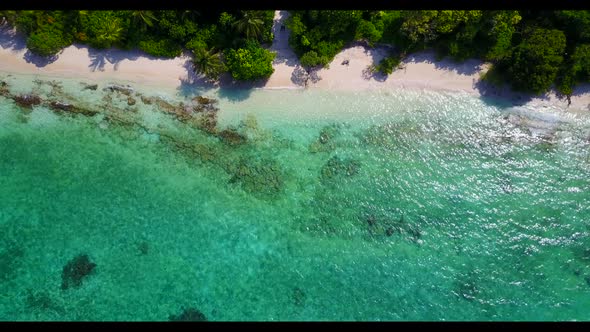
(531,50)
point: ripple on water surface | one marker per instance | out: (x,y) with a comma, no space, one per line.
(312,205)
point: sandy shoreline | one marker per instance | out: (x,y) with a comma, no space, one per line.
(420,71)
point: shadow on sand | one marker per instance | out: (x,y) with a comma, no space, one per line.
(194,84)
(40,61)
(10,39)
(502,96)
(234,91)
(377,54)
(16,42)
(99,58)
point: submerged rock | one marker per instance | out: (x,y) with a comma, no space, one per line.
(325,142)
(208,122)
(4,89)
(27,101)
(188,315)
(41,300)
(10,258)
(383,225)
(144,248)
(336,167)
(57,105)
(260,176)
(391,135)
(75,271)
(231,136)
(124,89)
(328,133)
(204,104)
(204,100)
(92,87)
(298,297)
(131,101)
(147,100)
(70,108)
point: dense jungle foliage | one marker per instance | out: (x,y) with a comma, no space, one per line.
(531,50)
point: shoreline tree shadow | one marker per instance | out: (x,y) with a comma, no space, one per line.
(100,57)
(12,40)
(302,77)
(467,67)
(502,96)
(194,84)
(377,54)
(40,61)
(235,91)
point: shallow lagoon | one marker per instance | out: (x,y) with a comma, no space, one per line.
(398,205)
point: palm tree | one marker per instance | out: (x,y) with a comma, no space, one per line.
(208,63)
(143,17)
(110,32)
(250,24)
(8,16)
(190,15)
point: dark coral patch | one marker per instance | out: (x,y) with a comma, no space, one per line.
(75,271)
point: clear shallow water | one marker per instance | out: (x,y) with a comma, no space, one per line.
(340,206)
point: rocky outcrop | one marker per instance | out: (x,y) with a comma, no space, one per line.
(124,89)
(387,226)
(231,136)
(92,87)
(27,101)
(338,167)
(325,141)
(61,107)
(4,89)
(260,176)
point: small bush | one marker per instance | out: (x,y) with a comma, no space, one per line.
(160,48)
(388,64)
(312,59)
(250,63)
(47,42)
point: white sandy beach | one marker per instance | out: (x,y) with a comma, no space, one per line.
(420,71)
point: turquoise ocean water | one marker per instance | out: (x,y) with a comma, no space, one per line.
(370,206)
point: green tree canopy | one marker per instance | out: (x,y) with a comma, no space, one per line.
(208,63)
(250,63)
(250,25)
(535,62)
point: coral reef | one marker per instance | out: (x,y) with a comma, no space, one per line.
(231,136)
(325,141)
(126,90)
(76,270)
(262,176)
(188,315)
(390,136)
(144,248)
(87,86)
(338,167)
(42,301)
(298,297)
(4,89)
(10,258)
(27,101)
(61,107)
(384,225)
